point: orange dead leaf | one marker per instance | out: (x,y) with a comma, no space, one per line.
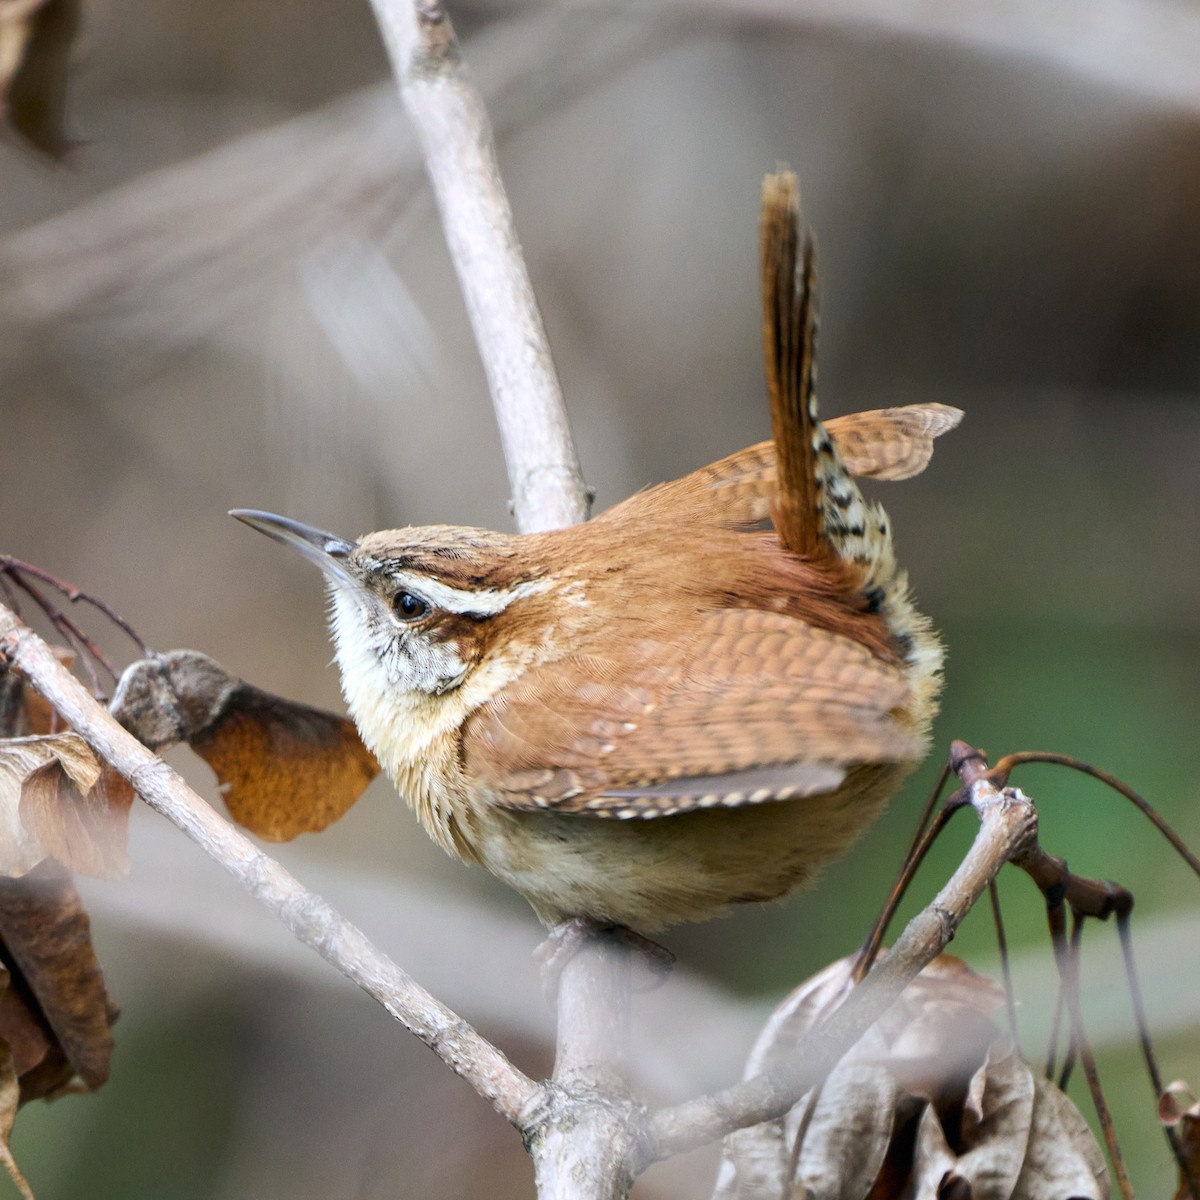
(284,768)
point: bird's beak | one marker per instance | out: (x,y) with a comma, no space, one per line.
(329,552)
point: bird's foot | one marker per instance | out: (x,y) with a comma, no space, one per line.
(567,938)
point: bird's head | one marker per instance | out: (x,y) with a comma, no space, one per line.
(415,612)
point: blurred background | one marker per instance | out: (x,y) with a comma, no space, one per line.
(234,292)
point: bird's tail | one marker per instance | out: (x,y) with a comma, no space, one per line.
(820,512)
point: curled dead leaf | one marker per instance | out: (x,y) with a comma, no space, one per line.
(850,1126)
(45,783)
(54,1011)
(933,1103)
(1063,1161)
(56,1020)
(284,768)
(86,831)
(1179,1109)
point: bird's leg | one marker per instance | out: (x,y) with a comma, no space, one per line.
(567,938)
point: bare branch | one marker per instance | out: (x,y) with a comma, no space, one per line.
(1008,825)
(589,1122)
(309,917)
(456,136)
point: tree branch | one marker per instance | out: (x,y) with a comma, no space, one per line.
(309,917)
(580,1133)
(456,136)
(589,1124)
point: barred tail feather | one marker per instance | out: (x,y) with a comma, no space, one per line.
(820,511)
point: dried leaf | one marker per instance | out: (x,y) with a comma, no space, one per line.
(1178,1108)
(933,1103)
(754,1164)
(1176,1102)
(934,1162)
(73,763)
(284,768)
(24,710)
(88,832)
(20,1030)
(45,943)
(1063,1161)
(995,1124)
(35,42)
(940,1049)
(851,1126)
(799,1011)
(10,1095)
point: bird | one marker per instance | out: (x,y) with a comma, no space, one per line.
(690,702)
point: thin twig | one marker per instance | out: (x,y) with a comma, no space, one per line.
(923,840)
(79,643)
(1068,971)
(78,596)
(1004,768)
(309,917)
(1077,919)
(1125,935)
(1010,1001)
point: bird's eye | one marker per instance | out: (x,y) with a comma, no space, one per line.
(409,607)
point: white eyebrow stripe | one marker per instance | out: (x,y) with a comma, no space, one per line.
(476,602)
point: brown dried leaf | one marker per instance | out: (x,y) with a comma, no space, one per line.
(1063,1161)
(284,768)
(1018,1136)
(10,1096)
(87,832)
(72,763)
(23,710)
(20,1030)
(934,1162)
(35,42)
(851,1126)
(46,945)
(799,1011)
(932,1039)
(996,1119)
(940,1049)
(948,978)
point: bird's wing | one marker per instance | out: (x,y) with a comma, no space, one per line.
(738,491)
(745,707)
(891,443)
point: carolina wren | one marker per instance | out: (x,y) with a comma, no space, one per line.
(665,711)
